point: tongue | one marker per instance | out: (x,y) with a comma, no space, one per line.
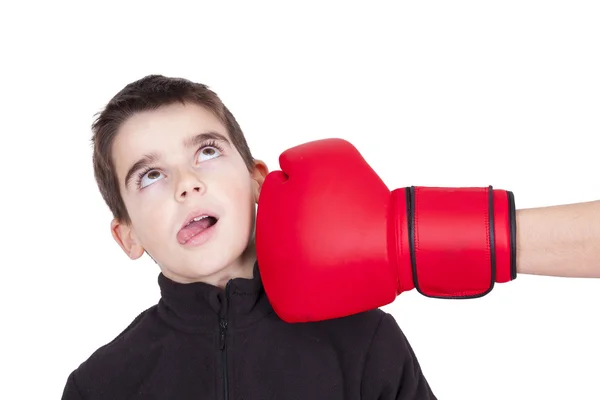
(193,229)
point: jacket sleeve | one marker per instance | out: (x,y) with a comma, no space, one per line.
(71,391)
(392,371)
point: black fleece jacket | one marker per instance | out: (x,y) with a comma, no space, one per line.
(203,342)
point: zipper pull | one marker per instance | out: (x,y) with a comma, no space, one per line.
(223,325)
(223,320)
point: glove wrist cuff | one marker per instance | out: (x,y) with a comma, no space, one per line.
(461,241)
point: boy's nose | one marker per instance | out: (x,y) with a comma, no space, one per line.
(189,186)
(197,189)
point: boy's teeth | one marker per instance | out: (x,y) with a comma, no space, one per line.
(196,219)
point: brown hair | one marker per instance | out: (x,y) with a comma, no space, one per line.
(151,93)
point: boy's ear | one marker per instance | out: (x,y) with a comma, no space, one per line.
(259,173)
(126,239)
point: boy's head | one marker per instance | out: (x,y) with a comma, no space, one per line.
(165,151)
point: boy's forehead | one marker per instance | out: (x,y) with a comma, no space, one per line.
(170,123)
(169,128)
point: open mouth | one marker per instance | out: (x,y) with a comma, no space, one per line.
(195,226)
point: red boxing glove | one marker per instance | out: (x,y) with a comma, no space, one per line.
(332,240)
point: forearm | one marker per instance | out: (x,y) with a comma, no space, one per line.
(559,240)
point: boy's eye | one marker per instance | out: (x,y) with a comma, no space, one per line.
(150,177)
(208,153)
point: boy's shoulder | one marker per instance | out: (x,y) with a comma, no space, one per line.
(359,331)
(122,355)
(363,321)
(389,364)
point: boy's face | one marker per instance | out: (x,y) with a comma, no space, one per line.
(176,163)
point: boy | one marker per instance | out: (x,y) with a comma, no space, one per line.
(174,168)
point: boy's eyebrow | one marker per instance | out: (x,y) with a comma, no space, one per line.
(194,141)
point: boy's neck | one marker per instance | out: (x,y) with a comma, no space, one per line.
(243,267)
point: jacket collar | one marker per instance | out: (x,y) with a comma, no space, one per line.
(200,306)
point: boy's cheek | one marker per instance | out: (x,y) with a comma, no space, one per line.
(153,195)
(148,213)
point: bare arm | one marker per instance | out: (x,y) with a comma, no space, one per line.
(559,240)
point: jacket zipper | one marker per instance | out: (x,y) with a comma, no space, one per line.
(223,343)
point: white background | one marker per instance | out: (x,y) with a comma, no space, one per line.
(444,93)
